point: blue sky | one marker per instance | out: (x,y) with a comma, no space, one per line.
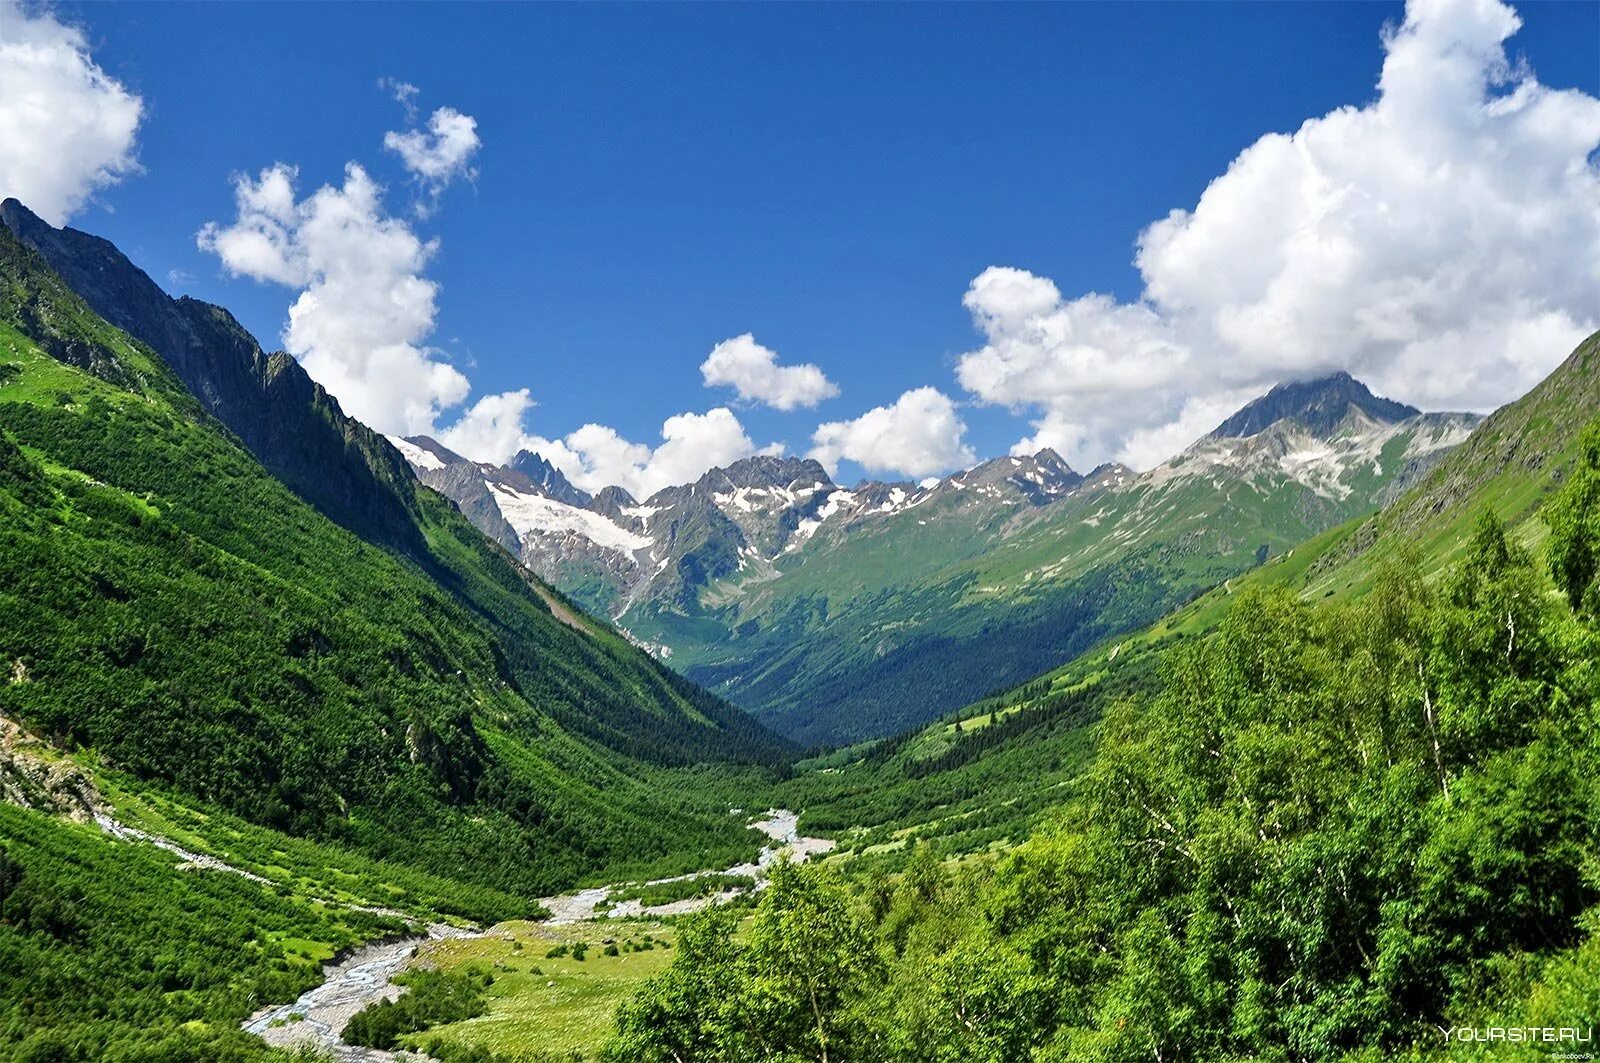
(655,179)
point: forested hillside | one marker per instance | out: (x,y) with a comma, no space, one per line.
(988,772)
(173,608)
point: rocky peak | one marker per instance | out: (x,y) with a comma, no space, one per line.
(611,501)
(1320,405)
(765,470)
(1041,477)
(1109,475)
(549,480)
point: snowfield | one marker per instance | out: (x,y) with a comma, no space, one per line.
(535,513)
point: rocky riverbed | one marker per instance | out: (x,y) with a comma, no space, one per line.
(366,975)
(350,984)
(778,824)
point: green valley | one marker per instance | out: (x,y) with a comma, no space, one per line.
(410,710)
(801,533)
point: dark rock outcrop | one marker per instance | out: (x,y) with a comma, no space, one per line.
(1321,405)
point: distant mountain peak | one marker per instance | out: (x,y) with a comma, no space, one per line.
(612,501)
(1321,405)
(1110,474)
(768,470)
(1041,477)
(550,480)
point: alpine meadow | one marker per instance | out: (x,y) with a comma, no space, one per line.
(673,533)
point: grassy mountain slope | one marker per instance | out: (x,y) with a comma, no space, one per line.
(171,607)
(946,783)
(109,952)
(283,417)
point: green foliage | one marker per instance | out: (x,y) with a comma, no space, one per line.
(1330,830)
(432,998)
(110,954)
(792,990)
(1574,519)
(654,894)
(1322,830)
(985,785)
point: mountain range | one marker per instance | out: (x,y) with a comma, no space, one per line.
(841,613)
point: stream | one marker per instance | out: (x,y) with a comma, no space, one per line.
(361,978)
(365,975)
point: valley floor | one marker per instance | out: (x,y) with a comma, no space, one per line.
(570,1010)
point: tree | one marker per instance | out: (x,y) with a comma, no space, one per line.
(811,959)
(1574,518)
(10,875)
(794,992)
(692,1010)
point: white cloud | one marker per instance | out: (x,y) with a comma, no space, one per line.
(365,310)
(1441,242)
(67,128)
(753,371)
(404,93)
(361,322)
(597,456)
(439,154)
(491,429)
(1147,447)
(919,434)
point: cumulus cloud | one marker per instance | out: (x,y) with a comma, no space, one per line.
(67,128)
(365,309)
(919,434)
(753,371)
(437,155)
(597,456)
(1441,242)
(491,429)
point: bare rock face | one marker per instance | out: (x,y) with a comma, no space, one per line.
(1320,406)
(31,777)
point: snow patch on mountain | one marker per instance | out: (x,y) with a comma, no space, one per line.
(417,456)
(1325,465)
(530,514)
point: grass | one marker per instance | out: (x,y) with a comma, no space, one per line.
(305,870)
(540,1003)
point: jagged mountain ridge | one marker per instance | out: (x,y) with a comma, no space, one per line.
(801,598)
(744,516)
